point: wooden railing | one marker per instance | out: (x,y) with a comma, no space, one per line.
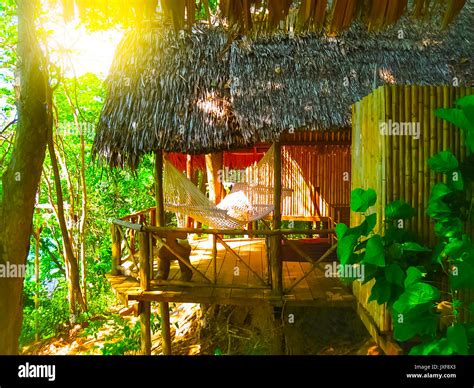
(133,243)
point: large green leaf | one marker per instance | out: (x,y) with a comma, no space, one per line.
(381,291)
(345,248)
(341,230)
(438,209)
(414,275)
(416,294)
(465,101)
(454,116)
(409,327)
(439,191)
(362,199)
(369,223)
(399,210)
(457,338)
(443,162)
(448,227)
(374,252)
(395,274)
(462,276)
(440,347)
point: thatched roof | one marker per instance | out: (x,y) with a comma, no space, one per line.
(282,82)
(201,92)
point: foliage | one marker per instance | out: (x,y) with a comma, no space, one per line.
(405,271)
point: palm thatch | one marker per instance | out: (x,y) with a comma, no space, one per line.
(283,81)
(202,91)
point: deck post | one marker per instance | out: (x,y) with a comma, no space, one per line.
(275,252)
(145,307)
(116,250)
(214,257)
(160,221)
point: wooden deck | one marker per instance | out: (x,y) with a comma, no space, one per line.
(237,284)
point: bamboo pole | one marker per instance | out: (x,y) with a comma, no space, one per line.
(396,144)
(430,127)
(389,144)
(424,137)
(408,150)
(415,197)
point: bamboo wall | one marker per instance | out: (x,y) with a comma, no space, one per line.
(396,166)
(315,176)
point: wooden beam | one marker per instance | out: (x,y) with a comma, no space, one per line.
(315,265)
(232,252)
(275,249)
(163,231)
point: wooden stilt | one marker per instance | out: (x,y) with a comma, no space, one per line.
(160,222)
(165,328)
(275,256)
(145,307)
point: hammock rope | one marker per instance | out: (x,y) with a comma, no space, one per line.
(248,201)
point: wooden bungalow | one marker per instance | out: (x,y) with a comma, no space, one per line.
(207,91)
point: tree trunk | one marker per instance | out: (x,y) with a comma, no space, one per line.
(21,179)
(72,268)
(214,163)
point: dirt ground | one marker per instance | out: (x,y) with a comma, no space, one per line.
(229,330)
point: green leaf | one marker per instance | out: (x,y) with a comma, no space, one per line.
(440,347)
(374,252)
(465,101)
(462,274)
(438,209)
(395,251)
(409,327)
(416,294)
(457,338)
(454,116)
(414,275)
(448,227)
(381,291)
(399,210)
(414,247)
(341,230)
(439,191)
(471,307)
(395,274)
(362,199)
(443,162)
(345,248)
(370,222)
